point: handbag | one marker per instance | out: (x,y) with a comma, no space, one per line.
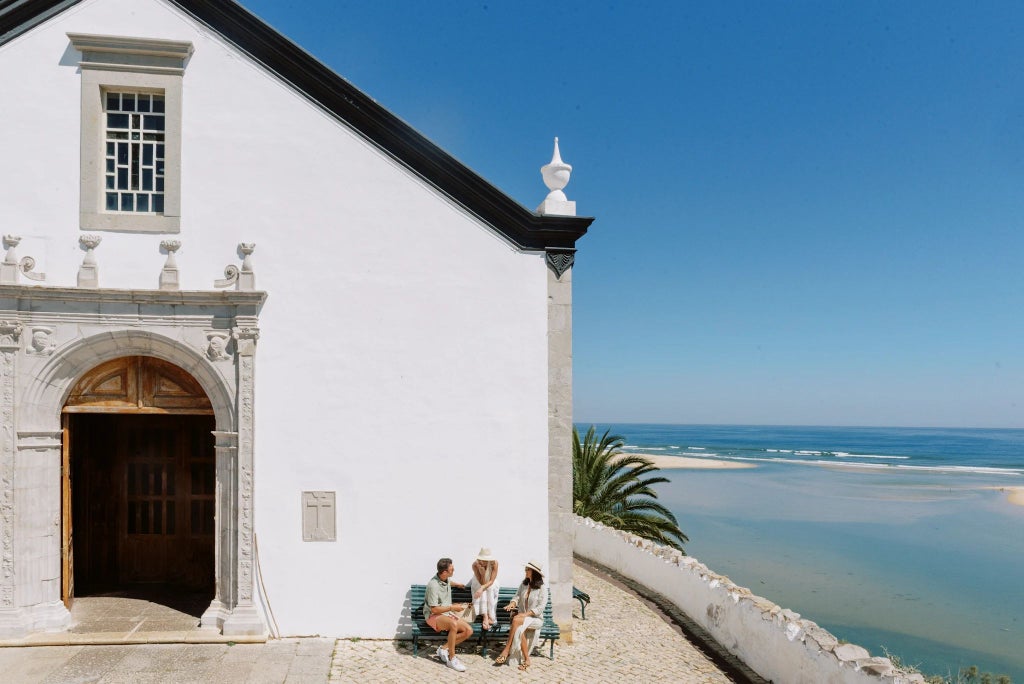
(468,614)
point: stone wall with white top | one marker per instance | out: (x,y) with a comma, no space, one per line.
(775,642)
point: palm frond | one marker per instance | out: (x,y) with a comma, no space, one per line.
(615,489)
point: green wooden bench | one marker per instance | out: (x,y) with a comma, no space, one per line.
(499,631)
(584,600)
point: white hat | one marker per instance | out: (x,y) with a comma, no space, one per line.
(484,555)
(536,567)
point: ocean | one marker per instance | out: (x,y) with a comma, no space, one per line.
(897,539)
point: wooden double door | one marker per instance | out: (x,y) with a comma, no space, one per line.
(142,501)
(139,480)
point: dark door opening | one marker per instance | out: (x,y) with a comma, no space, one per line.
(142,506)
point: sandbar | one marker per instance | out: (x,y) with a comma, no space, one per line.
(1015,495)
(688,463)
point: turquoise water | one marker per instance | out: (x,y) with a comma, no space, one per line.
(912,553)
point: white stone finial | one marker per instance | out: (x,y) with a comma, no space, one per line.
(89,272)
(10,267)
(556,176)
(169,273)
(10,243)
(246,277)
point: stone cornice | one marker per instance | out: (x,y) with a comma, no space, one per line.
(151,47)
(111,295)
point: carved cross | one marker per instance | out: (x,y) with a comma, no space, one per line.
(320,505)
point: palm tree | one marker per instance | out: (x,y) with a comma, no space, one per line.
(610,487)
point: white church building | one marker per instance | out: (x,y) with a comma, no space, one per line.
(260,340)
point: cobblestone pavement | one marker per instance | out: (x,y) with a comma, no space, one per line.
(293,661)
(621,639)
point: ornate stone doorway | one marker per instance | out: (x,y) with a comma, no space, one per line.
(75,355)
(139,482)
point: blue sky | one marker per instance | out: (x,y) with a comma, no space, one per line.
(808,213)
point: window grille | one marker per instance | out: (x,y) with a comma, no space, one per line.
(134,152)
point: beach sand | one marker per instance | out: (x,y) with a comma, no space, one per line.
(1015,495)
(685,462)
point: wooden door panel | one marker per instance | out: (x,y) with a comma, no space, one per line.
(67,587)
(144,496)
(138,384)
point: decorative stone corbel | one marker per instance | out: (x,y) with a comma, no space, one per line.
(559,261)
(41,342)
(245,335)
(11,267)
(244,278)
(89,272)
(169,273)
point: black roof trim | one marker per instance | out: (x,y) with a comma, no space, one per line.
(340,98)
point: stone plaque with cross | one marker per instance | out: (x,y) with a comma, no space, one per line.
(318,517)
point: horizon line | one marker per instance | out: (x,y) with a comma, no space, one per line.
(797,425)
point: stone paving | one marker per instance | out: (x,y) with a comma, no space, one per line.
(621,639)
(293,661)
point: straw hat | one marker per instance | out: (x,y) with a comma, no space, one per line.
(484,555)
(536,567)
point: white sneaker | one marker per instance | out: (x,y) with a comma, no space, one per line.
(456,665)
(442,653)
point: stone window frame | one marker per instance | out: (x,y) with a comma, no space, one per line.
(122,64)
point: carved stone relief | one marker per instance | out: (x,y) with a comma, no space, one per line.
(41,343)
(217,345)
(10,344)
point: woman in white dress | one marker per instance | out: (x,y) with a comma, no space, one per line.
(484,587)
(529,603)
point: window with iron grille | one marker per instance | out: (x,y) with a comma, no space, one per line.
(131,117)
(135,152)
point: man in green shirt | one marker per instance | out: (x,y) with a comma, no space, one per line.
(444,616)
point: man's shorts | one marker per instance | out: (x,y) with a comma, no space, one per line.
(432,620)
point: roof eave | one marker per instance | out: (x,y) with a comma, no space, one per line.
(344,101)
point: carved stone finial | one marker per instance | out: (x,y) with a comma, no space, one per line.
(90,242)
(89,272)
(10,242)
(11,266)
(556,176)
(169,273)
(244,278)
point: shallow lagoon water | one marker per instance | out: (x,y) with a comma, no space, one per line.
(927,565)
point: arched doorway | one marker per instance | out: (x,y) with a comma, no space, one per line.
(139,483)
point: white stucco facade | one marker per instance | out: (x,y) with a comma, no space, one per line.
(402,359)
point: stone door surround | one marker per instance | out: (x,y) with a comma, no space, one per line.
(50,338)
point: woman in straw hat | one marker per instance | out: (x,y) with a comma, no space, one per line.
(529,605)
(484,586)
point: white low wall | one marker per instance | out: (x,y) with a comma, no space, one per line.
(774,642)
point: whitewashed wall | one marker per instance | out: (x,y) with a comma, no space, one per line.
(402,357)
(774,642)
